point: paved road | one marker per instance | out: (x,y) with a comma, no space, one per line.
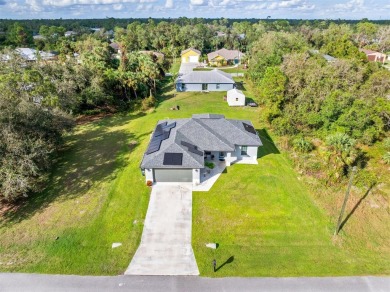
(54,283)
(165,247)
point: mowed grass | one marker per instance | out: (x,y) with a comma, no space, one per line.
(96,195)
(261,214)
(265,224)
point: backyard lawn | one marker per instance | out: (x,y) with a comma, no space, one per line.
(262,216)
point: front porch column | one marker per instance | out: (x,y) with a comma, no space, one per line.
(228,158)
(196,176)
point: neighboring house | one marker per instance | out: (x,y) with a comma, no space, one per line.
(328,58)
(178,148)
(374,56)
(190,56)
(235,97)
(221,34)
(214,80)
(70,33)
(34,55)
(39,37)
(225,57)
(115,47)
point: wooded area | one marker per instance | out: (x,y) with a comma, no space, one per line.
(336,107)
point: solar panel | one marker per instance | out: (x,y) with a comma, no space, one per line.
(173,159)
(195,151)
(192,148)
(159,129)
(249,128)
(153,146)
(170,126)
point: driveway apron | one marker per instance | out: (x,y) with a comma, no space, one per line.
(165,247)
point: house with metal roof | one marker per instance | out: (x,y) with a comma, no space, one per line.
(178,148)
(214,80)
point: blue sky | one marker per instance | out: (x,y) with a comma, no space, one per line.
(306,9)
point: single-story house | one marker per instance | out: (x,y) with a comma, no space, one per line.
(235,97)
(70,33)
(178,148)
(374,56)
(327,57)
(34,55)
(190,56)
(214,80)
(224,57)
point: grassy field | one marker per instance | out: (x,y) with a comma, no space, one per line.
(263,216)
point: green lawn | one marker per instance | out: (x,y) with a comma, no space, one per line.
(261,215)
(265,223)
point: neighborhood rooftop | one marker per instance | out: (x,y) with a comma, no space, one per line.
(185,140)
(213,76)
(227,54)
(191,49)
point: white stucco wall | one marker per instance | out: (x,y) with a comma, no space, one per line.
(149,174)
(198,87)
(196,176)
(234,156)
(252,152)
(236,100)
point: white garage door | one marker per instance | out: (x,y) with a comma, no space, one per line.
(172,175)
(194,59)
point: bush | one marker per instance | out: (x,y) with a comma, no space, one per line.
(386,157)
(209,164)
(149,183)
(365,178)
(386,143)
(148,103)
(302,145)
(283,126)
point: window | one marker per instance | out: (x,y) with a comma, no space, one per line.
(204,86)
(244,150)
(217,86)
(236,98)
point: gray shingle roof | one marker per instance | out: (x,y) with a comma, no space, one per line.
(211,77)
(226,54)
(209,132)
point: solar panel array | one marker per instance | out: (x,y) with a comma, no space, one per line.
(192,148)
(161,133)
(249,128)
(173,159)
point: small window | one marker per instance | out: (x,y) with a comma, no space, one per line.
(236,98)
(204,86)
(218,86)
(244,150)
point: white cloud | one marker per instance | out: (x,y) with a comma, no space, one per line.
(117,7)
(256,6)
(352,5)
(197,2)
(169,4)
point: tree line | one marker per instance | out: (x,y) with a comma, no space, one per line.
(338,106)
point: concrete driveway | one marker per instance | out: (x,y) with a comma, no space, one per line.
(187,68)
(165,247)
